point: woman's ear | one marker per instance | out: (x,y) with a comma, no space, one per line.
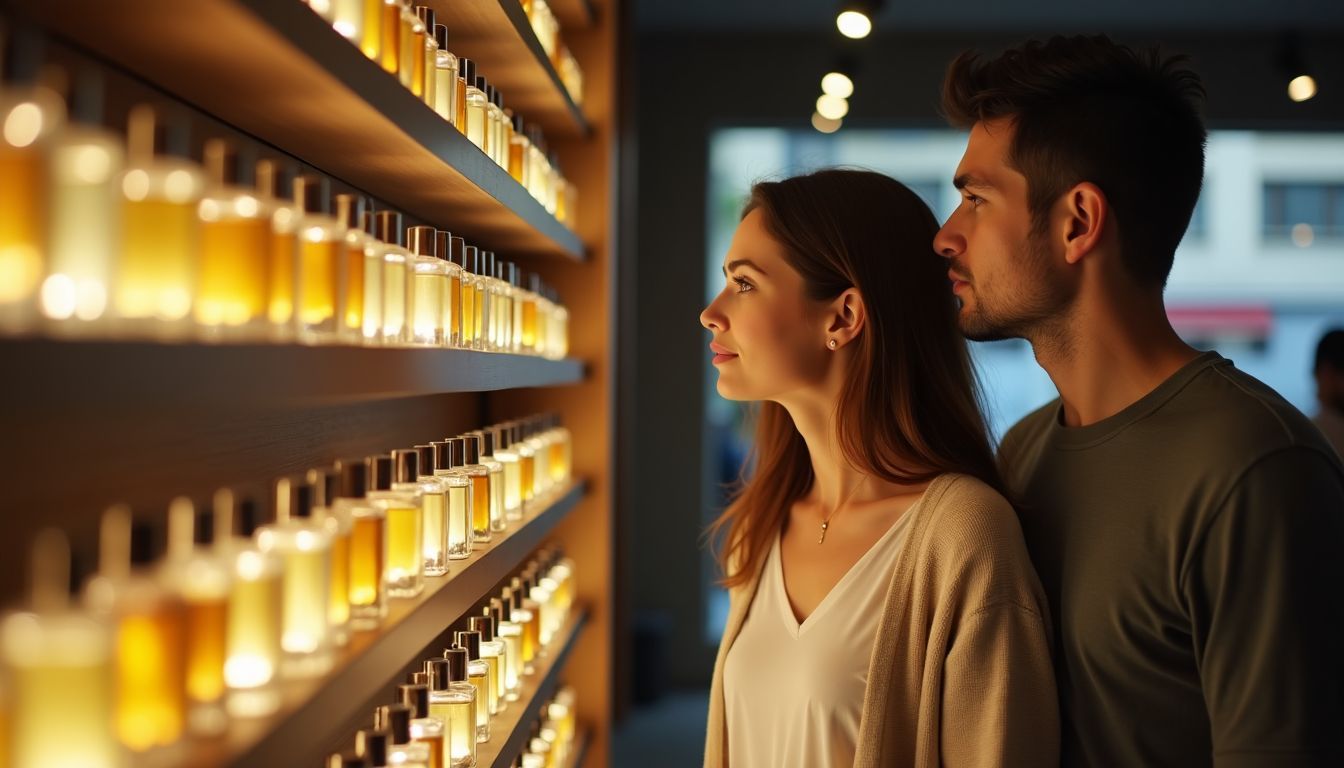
(845,319)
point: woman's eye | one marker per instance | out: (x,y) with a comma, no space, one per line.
(742,285)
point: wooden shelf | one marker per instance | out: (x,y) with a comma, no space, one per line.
(580,750)
(574,14)
(278,71)
(511,730)
(313,713)
(498,36)
(127,374)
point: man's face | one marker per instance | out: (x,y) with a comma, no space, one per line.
(1005,275)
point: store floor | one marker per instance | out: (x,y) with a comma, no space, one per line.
(667,734)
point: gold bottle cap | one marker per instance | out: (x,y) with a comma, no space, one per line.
(350,210)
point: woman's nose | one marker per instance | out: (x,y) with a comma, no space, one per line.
(711,318)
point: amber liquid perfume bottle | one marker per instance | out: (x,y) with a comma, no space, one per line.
(457,484)
(494,652)
(513,473)
(478,674)
(518,152)
(485,440)
(399,497)
(252,643)
(530,299)
(522,595)
(304,547)
(57,664)
(434,529)
(453,699)
(479,475)
(161,190)
(325,484)
(361,318)
(390,41)
(275,185)
(150,631)
(452,301)
(429,279)
(527,619)
(445,79)
(397,298)
(429,68)
(321,274)
(368,545)
(410,62)
(202,579)
(83,212)
(232,292)
(425,729)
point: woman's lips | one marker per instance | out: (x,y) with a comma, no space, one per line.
(721,354)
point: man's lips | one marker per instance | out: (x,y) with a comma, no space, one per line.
(957,280)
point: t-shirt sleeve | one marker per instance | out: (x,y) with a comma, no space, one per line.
(1263,588)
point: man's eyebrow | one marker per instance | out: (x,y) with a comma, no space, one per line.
(733,265)
(969,180)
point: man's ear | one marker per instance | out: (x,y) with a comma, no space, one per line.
(1082,213)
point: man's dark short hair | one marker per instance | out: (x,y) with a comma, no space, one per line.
(1330,351)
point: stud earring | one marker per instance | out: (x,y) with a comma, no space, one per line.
(832,343)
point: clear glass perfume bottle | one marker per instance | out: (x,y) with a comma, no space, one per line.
(524,617)
(375,746)
(252,643)
(425,729)
(495,653)
(348,19)
(321,266)
(559,327)
(325,485)
(510,630)
(150,665)
(429,67)
(275,185)
(457,484)
(484,304)
(513,473)
(395,489)
(231,290)
(445,81)
(374,275)
(541,594)
(324,8)
(526,461)
(504,273)
(518,152)
(83,212)
(362,260)
(561,461)
(485,441)
(452,299)
(304,546)
(434,529)
(161,190)
(478,674)
(474,106)
(370,40)
(390,54)
(530,303)
(470,335)
(453,699)
(487,124)
(511,636)
(479,475)
(402,748)
(30,113)
(539,441)
(495,111)
(429,276)
(515,335)
(410,43)
(48,652)
(368,545)
(194,569)
(471,640)
(397,310)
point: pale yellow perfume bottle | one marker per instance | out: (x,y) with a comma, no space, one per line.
(150,631)
(561,450)
(487,302)
(57,663)
(321,273)
(527,620)
(83,212)
(453,699)
(559,328)
(457,485)
(527,606)
(373,278)
(194,569)
(499,148)
(541,593)
(325,484)
(526,461)
(518,152)
(30,113)
(485,441)
(537,442)
(429,70)
(410,44)
(512,642)
(425,728)
(390,26)
(348,19)
(403,749)
(358,254)
(513,473)
(304,547)
(397,311)
(452,300)
(474,106)
(429,279)
(324,8)
(232,293)
(495,652)
(513,284)
(511,632)
(368,545)
(275,185)
(252,644)
(394,489)
(470,334)
(478,674)
(445,79)
(479,475)
(161,190)
(504,335)
(434,529)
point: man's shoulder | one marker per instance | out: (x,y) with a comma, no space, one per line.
(1030,429)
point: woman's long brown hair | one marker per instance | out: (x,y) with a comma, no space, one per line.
(910,407)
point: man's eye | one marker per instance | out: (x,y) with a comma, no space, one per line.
(974,200)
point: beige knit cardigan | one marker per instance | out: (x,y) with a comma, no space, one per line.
(960,673)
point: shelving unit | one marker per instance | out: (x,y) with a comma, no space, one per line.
(85,423)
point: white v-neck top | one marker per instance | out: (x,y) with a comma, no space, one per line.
(793,693)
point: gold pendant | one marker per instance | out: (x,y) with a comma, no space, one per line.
(824,525)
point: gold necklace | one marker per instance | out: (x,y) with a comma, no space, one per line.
(826,522)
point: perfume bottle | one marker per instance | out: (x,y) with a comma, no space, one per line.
(527,619)
(425,729)
(452,300)
(470,335)
(494,652)
(445,80)
(324,8)
(499,614)
(453,699)
(480,486)
(304,546)
(429,278)
(530,299)
(457,485)
(559,328)
(150,661)
(434,529)
(161,190)
(518,152)
(347,18)
(275,185)
(346,759)
(194,569)
(396,277)
(538,441)
(30,113)
(410,43)
(527,461)
(513,473)
(402,748)
(57,663)
(541,594)
(471,641)
(504,271)
(478,674)
(390,40)
(370,39)
(339,522)
(362,260)
(395,490)
(429,67)
(515,335)
(368,545)
(83,211)
(374,274)
(484,282)
(375,746)
(321,266)
(231,290)
(510,629)
(495,110)
(474,105)
(252,642)
(485,441)
(505,132)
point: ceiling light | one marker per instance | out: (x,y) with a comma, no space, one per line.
(837,84)
(832,107)
(825,124)
(854,24)
(1301,88)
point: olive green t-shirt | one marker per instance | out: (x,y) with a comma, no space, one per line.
(1192,550)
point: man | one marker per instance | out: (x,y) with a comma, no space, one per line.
(1329,374)
(1187,522)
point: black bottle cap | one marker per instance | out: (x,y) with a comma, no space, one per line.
(515,434)
(442,246)
(471,640)
(501,438)
(457,448)
(21,45)
(466,69)
(370,226)
(502,610)
(415,696)
(354,478)
(488,263)
(396,720)
(387,227)
(485,625)
(518,125)
(443,454)
(347,760)
(456,247)
(248,515)
(457,659)
(380,473)
(203,533)
(499,99)
(86,101)
(371,744)
(481,83)
(146,543)
(326,486)
(422,678)
(313,193)
(406,465)
(154,132)
(487,439)
(293,499)
(423,241)
(427,16)
(226,166)
(519,592)
(428,463)
(473,449)
(350,210)
(441,36)
(275,179)
(440,673)
(491,94)
(470,258)
(511,273)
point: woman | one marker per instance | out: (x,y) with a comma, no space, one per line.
(883,609)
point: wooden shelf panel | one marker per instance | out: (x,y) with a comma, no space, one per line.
(497,35)
(580,750)
(132,374)
(278,71)
(511,730)
(574,14)
(313,713)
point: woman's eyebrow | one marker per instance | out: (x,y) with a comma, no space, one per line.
(733,265)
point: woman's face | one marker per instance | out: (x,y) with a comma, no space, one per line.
(769,339)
